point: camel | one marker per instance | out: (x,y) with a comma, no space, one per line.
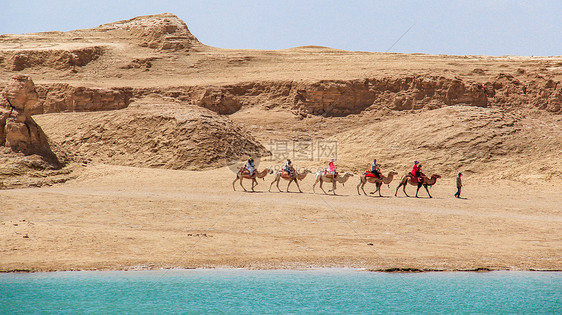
(295,178)
(321,177)
(240,176)
(378,182)
(426,181)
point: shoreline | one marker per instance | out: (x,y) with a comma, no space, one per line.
(312,269)
(385,270)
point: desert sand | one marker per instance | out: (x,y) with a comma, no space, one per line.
(114,217)
(148,126)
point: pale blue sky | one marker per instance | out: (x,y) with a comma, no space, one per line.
(492,27)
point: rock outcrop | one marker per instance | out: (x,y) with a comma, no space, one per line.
(62,97)
(59,59)
(18,131)
(162,31)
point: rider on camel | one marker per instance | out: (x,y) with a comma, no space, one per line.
(288,167)
(250,166)
(332,168)
(417,171)
(375,169)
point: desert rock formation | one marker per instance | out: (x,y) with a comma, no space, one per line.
(18,131)
(110,82)
(163,32)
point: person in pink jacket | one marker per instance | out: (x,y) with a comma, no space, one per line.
(332,167)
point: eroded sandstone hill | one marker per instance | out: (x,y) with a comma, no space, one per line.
(150,69)
(152,133)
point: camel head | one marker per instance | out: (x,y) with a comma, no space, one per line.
(393,173)
(344,178)
(436,176)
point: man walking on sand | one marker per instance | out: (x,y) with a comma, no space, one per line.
(459,185)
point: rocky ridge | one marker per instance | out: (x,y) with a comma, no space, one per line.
(326,98)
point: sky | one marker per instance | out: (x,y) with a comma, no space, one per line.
(457,27)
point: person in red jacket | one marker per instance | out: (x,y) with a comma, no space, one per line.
(416,170)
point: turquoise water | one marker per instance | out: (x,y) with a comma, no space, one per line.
(266,292)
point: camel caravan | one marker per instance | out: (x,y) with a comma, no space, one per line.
(330,175)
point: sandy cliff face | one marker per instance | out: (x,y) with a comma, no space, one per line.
(326,98)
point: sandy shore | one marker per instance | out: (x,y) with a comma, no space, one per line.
(132,218)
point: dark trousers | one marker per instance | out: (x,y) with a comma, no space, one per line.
(458,194)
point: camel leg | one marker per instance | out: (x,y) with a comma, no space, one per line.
(361,184)
(379,189)
(419,186)
(278,180)
(425,186)
(374,191)
(363,187)
(321,187)
(299,187)
(241,178)
(289,184)
(396,193)
(333,184)
(234,182)
(404,189)
(254,183)
(314,186)
(271,184)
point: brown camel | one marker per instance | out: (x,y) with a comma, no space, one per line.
(426,181)
(294,178)
(378,182)
(321,177)
(244,174)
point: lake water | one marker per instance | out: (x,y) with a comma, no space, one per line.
(279,291)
